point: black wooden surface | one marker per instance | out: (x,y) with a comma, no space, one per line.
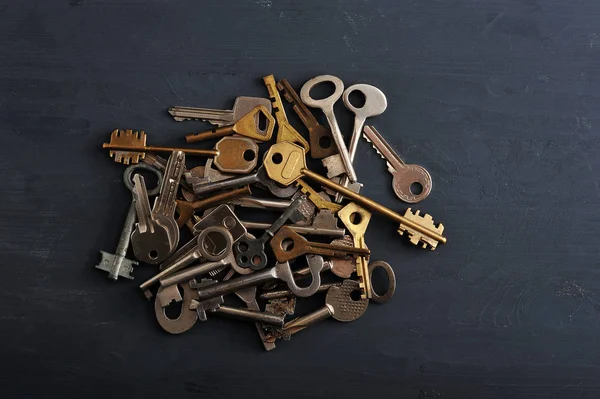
(498,99)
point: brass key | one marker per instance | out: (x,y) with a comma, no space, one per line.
(286,131)
(246,126)
(321,140)
(356,219)
(298,245)
(127,145)
(285,163)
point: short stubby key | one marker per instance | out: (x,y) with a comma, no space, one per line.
(117,264)
(242,106)
(411,183)
(156,234)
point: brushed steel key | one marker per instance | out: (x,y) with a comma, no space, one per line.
(156,234)
(241,107)
(117,264)
(405,176)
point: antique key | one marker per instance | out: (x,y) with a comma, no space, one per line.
(246,126)
(326,105)
(356,219)
(338,304)
(156,234)
(241,107)
(236,155)
(187,317)
(405,176)
(128,146)
(117,264)
(250,253)
(286,131)
(288,245)
(321,140)
(285,163)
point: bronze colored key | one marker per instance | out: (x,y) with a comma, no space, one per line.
(356,219)
(288,245)
(321,141)
(127,145)
(236,155)
(286,131)
(246,126)
(187,209)
(285,163)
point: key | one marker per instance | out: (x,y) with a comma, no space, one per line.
(187,317)
(247,126)
(338,304)
(187,209)
(248,295)
(321,140)
(258,177)
(326,105)
(160,163)
(128,146)
(344,267)
(156,234)
(209,175)
(286,131)
(356,219)
(288,245)
(287,293)
(307,230)
(117,264)
(236,155)
(281,271)
(285,163)
(250,253)
(391,289)
(215,305)
(375,104)
(241,107)
(405,176)
(316,198)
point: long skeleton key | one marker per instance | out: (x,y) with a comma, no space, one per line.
(128,146)
(156,234)
(246,126)
(250,253)
(326,105)
(286,131)
(241,107)
(321,140)
(356,219)
(117,264)
(298,245)
(285,163)
(338,304)
(404,175)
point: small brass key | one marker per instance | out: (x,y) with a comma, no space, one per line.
(285,163)
(288,245)
(356,219)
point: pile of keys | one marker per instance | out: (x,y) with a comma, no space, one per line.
(266,265)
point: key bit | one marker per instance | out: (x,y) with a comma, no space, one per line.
(128,146)
(211,304)
(417,237)
(247,126)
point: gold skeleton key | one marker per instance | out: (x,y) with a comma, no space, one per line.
(356,219)
(246,126)
(286,131)
(127,145)
(285,163)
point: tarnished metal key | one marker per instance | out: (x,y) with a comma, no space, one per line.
(156,234)
(242,106)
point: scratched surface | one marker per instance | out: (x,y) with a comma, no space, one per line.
(499,100)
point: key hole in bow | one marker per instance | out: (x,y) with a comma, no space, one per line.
(249,155)
(322,90)
(277,158)
(355,218)
(287,244)
(416,188)
(325,142)
(380,281)
(262,122)
(355,295)
(215,243)
(357,99)
(153,254)
(150,179)
(174,309)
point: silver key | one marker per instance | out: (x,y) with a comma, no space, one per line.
(404,175)
(281,271)
(156,234)
(117,264)
(241,107)
(259,177)
(326,105)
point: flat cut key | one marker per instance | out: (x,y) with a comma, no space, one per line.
(405,176)
(242,106)
(321,140)
(156,234)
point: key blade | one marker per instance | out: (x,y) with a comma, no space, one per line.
(290,95)
(142,205)
(213,116)
(382,147)
(165,202)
